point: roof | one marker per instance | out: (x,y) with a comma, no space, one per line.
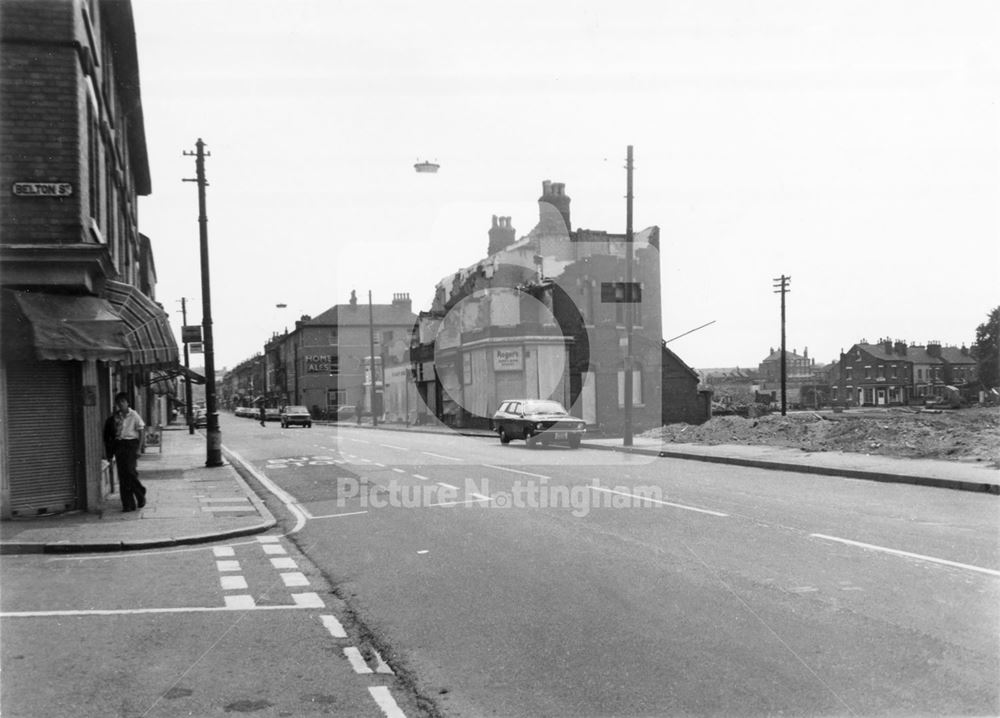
(342,315)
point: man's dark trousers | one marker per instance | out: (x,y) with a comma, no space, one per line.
(126,457)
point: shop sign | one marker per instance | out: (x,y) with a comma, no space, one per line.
(42,189)
(508,359)
(320,364)
(191,333)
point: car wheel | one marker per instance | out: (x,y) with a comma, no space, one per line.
(504,439)
(284,425)
(574,442)
(309,425)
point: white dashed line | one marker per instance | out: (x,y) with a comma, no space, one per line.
(447,486)
(663,503)
(240,602)
(399,471)
(357,660)
(516,471)
(337,516)
(284,563)
(233,583)
(333,626)
(308,600)
(294,579)
(227,565)
(441,456)
(273,548)
(223,551)
(390,446)
(422,478)
(907,554)
(383,696)
(268,539)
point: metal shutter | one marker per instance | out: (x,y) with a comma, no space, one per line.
(41,431)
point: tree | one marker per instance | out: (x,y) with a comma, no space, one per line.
(988,350)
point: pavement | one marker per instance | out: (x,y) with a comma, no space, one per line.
(189,503)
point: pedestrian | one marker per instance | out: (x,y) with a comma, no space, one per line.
(263,415)
(125,438)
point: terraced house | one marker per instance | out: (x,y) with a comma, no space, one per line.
(79,317)
(893,373)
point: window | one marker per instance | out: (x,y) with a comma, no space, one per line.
(892,371)
(636,387)
(868,372)
(880,371)
(848,373)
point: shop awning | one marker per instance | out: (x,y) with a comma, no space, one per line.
(161,381)
(148,334)
(59,327)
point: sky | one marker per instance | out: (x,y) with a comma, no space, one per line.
(851,146)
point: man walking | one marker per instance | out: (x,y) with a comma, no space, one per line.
(125,437)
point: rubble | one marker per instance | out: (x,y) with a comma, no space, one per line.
(968,435)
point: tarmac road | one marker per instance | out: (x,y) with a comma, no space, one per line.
(511,582)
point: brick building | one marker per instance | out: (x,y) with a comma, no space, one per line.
(79,319)
(543,316)
(892,373)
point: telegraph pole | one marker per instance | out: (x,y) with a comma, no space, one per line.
(187,372)
(781,286)
(629,298)
(371,358)
(214,443)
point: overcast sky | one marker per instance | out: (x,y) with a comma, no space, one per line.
(854,146)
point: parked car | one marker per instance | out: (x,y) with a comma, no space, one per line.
(537,421)
(272,413)
(343,413)
(295,415)
(200,418)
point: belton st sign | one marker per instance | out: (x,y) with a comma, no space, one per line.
(42,189)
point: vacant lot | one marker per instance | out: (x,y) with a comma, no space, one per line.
(971,435)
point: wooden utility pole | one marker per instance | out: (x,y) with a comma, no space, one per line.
(781,286)
(629,298)
(214,434)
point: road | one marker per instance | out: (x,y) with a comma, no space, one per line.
(502,581)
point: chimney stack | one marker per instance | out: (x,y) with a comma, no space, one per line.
(554,197)
(900,348)
(934,349)
(501,235)
(402,299)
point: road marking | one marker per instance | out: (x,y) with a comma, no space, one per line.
(227,565)
(919,557)
(233,583)
(284,563)
(383,696)
(440,456)
(287,499)
(247,506)
(480,496)
(223,551)
(240,602)
(447,486)
(333,626)
(308,600)
(233,603)
(295,578)
(664,503)
(516,471)
(357,660)
(336,516)
(273,548)
(380,665)
(381,466)
(390,446)
(459,503)
(422,478)
(268,539)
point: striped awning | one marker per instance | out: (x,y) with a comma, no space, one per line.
(59,327)
(148,334)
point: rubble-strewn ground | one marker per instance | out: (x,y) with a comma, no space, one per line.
(971,435)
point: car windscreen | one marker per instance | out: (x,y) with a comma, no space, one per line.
(297,410)
(543,407)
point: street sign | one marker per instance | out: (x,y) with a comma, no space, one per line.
(196,348)
(191,333)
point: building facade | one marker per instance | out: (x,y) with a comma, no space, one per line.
(893,373)
(79,317)
(548,316)
(323,363)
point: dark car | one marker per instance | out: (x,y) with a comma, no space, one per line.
(344,413)
(297,416)
(537,421)
(200,419)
